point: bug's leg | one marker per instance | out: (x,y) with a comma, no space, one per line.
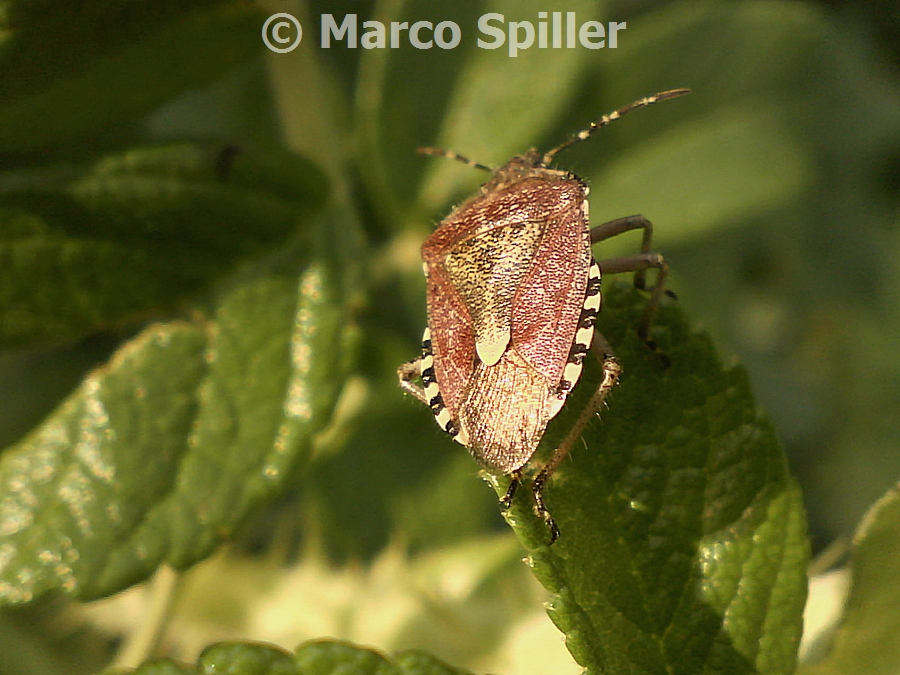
(611,371)
(506,501)
(639,263)
(407,373)
(614,228)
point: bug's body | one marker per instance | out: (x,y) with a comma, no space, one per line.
(513,291)
(507,278)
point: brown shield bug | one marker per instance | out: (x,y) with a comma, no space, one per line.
(513,291)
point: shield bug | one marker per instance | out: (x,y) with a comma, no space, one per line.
(513,291)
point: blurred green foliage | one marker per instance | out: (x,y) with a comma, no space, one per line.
(157,165)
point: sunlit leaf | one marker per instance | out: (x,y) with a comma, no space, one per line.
(159,455)
(683,541)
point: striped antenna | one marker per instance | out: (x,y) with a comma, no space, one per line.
(435,152)
(616,114)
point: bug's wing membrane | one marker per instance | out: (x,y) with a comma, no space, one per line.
(505,412)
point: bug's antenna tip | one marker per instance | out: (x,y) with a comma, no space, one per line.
(673,93)
(614,115)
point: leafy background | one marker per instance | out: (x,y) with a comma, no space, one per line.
(138,141)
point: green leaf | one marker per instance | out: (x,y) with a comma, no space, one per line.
(417,662)
(68,70)
(158,668)
(743,145)
(87,246)
(683,545)
(326,657)
(160,454)
(329,657)
(866,641)
(726,153)
(247,659)
(323,657)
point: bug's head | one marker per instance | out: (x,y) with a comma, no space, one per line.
(518,167)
